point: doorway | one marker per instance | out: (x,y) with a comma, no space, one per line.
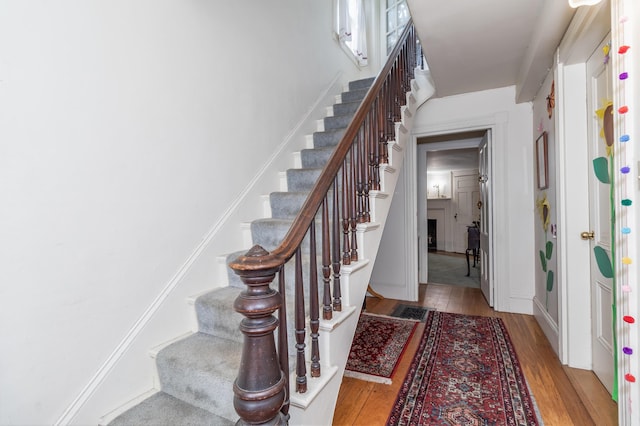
(448,194)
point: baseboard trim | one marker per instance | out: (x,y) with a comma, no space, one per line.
(547,324)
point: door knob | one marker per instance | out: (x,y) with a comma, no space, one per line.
(587,235)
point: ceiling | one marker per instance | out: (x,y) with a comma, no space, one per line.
(473,45)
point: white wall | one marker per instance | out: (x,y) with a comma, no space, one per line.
(512,176)
(391,276)
(127,130)
(547,300)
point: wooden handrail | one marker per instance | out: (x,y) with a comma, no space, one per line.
(261,389)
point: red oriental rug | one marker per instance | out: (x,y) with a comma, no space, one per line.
(377,346)
(465,372)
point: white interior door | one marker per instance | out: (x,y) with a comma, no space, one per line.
(485,220)
(599,89)
(466,194)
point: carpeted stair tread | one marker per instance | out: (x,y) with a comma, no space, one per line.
(269,232)
(302,179)
(289,271)
(364,83)
(162,409)
(200,369)
(327,138)
(286,205)
(354,95)
(316,158)
(216,315)
(236,283)
(211,311)
(337,121)
(234,279)
(345,108)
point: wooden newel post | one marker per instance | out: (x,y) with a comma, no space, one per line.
(259,390)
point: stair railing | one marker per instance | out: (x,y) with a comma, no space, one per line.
(340,201)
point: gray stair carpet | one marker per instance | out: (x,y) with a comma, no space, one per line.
(197,372)
(162,409)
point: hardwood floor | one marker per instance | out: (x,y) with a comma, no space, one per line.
(565,396)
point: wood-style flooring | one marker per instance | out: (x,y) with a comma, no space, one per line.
(565,396)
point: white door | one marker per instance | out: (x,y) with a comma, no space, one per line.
(599,89)
(485,220)
(466,194)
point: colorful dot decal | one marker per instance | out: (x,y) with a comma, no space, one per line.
(626,280)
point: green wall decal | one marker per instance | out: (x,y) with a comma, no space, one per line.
(601,169)
(549,249)
(543,261)
(604,263)
(549,280)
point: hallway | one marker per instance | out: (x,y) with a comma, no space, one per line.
(565,396)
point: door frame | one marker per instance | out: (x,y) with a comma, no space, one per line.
(584,35)
(423,204)
(496,124)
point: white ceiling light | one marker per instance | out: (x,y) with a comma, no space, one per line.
(578,3)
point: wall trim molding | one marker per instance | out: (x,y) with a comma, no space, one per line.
(547,324)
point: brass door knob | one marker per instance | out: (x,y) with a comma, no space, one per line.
(586,235)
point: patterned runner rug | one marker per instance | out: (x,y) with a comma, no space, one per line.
(377,346)
(465,372)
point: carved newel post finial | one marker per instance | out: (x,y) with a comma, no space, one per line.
(259,389)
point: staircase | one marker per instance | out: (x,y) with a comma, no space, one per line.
(196,372)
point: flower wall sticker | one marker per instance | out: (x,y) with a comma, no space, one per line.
(602,170)
(605,116)
(544,210)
